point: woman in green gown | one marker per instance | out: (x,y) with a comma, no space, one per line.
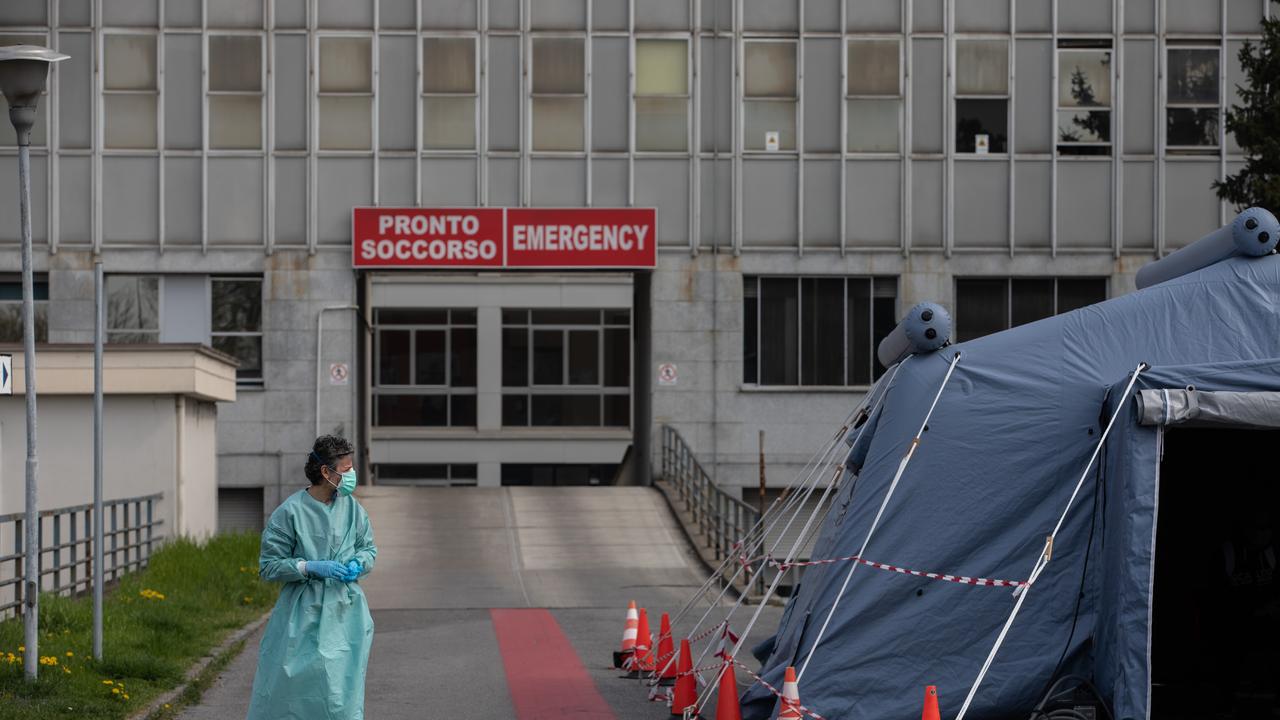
(318,543)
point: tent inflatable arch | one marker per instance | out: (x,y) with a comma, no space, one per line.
(1162,537)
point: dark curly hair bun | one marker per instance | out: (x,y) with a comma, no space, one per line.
(326,451)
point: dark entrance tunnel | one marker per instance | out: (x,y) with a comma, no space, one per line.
(1216,622)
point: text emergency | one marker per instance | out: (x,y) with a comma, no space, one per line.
(622,238)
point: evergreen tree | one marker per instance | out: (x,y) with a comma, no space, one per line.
(1256,125)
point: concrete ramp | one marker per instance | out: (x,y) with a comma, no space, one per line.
(564,547)
(457,567)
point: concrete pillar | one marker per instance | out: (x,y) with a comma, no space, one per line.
(488,474)
(489,368)
(642,392)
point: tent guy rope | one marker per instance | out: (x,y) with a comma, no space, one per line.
(799,542)
(893,486)
(873,401)
(1046,554)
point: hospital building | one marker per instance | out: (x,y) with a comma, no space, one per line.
(506,242)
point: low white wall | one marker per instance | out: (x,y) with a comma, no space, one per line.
(141,455)
(159,437)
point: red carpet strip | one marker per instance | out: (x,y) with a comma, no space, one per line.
(544,675)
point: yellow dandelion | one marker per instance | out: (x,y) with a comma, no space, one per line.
(107,682)
(115,691)
(22,648)
(66,670)
(125,696)
(70,654)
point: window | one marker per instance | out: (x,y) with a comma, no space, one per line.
(520,474)
(1193,94)
(982,96)
(11,308)
(129,91)
(1084,100)
(232,305)
(559,94)
(566,368)
(771,96)
(425,365)
(236,323)
(873,95)
(449,93)
(133,308)
(235,92)
(662,95)
(39,135)
(989,305)
(346,93)
(815,331)
(428,474)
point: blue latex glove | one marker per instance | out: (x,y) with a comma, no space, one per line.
(353,571)
(327,569)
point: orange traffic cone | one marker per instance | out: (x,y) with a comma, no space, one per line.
(727,705)
(931,704)
(686,694)
(666,661)
(628,636)
(790,697)
(643,657)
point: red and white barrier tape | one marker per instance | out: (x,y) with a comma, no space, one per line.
(960,579)
(698,671)
(777,692)
(696,638)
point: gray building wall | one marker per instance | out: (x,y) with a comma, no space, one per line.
(185,202)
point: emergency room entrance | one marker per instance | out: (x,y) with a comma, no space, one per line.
(1215,647)
(522,363)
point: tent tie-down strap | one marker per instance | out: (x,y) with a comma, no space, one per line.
(960,579)
(1042,560)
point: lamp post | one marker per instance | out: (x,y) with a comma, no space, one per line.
(24,70)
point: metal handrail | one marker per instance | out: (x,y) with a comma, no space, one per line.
(66,539)
(718,518)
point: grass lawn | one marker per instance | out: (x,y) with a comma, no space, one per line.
(156,624)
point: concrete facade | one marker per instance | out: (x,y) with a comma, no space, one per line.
(155,157)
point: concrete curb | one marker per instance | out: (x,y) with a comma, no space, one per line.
(197,669)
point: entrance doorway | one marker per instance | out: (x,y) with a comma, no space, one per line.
(1216,616)
(519,474)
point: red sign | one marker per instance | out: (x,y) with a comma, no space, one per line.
(497,237)
(415,237)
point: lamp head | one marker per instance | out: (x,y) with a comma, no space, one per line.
(24,70)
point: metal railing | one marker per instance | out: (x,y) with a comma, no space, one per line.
(129,535)
(718,518)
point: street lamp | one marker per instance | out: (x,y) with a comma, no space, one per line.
(24,70)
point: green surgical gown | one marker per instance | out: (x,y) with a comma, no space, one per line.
(315,650)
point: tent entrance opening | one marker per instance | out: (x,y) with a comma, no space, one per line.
(1216,623)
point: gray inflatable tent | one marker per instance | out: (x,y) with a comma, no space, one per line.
(1006,446)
